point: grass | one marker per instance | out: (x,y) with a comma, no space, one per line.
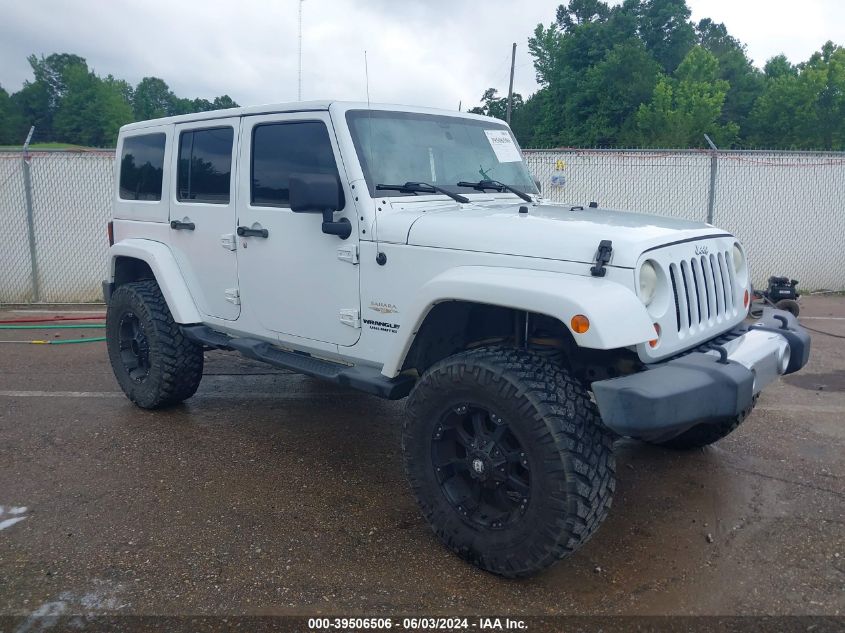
(36,146)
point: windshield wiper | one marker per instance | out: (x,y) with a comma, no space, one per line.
(481,185)
(422,187)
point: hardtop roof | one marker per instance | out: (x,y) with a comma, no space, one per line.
(294,106)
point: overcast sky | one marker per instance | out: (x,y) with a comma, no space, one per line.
(421,52)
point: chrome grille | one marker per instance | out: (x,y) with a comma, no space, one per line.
(704,290)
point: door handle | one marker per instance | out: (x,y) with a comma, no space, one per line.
(245,231)
(182,226)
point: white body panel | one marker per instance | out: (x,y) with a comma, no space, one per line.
(161,261)
(208,266)
(293,280)
(294,287)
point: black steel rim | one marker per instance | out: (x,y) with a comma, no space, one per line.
(134,347)
(481,466)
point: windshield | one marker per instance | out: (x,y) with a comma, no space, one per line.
(400,147)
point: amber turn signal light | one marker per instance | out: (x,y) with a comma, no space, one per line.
(653,342)
(745,299)
(580,324)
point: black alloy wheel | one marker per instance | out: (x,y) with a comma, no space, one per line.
(481,466)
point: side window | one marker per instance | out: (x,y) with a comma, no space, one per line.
(205,165)
(141,167)
(282,149)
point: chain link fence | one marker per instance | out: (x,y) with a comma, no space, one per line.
(788,208)
(54,206)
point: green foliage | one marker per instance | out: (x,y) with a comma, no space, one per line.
(641,73)
(68,103)
(497,107)
(803,107)
(686,106)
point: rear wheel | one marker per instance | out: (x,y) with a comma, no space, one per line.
(508,460)
(155,365)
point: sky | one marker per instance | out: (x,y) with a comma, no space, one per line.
(438,53)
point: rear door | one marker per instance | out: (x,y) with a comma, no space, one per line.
(203,216)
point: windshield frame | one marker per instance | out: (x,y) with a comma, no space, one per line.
(488,124)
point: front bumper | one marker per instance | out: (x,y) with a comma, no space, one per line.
(715,382)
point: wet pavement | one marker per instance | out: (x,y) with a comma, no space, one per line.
(271,493)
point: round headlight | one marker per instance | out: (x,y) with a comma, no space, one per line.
(648,282)
(740,265)
(739,259)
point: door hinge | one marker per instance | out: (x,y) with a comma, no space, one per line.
(233,295)
(229,241)
(351,317)
(348,253)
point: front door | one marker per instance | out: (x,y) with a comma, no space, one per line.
(202,214)
(294,278)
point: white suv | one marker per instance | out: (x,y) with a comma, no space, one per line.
(408,252)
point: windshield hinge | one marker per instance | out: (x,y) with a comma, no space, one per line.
(602,257)
(229,241)
(348,253)
(351,317)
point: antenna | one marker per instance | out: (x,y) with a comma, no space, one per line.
(299,76)
(381,258)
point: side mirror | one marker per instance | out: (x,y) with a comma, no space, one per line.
(320,193)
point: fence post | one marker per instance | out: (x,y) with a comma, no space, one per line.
(714,165)
(30,222)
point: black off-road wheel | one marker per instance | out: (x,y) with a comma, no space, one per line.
(507,457)
(155,365)
(705,434)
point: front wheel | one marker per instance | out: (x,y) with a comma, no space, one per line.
(508,459)
(155,365)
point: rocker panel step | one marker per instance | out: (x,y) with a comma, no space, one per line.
(366,379)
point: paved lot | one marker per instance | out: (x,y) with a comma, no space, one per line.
(270,493)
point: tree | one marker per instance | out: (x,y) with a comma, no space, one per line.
(580,12)
(687,106)
(745,81)
(11,122)
(32,104)
(92,109)
(152,99)
(494,106)
(222,102)
(665,29)
(52,72)
(802,107)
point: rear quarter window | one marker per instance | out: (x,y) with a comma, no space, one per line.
(142,167)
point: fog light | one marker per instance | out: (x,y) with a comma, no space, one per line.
(580,324)
(654,342)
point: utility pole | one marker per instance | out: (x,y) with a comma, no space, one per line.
(510,86)
(299,78)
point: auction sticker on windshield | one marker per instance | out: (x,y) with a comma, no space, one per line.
(503,146)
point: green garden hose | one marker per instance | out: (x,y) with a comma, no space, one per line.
(51,327)
(55,327)
(60,341)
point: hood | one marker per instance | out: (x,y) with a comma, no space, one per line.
(546,231)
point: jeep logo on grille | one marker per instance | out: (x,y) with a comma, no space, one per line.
(701,250)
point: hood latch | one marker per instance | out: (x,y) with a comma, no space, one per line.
(602,257)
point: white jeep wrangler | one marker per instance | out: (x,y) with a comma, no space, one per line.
(407,252)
